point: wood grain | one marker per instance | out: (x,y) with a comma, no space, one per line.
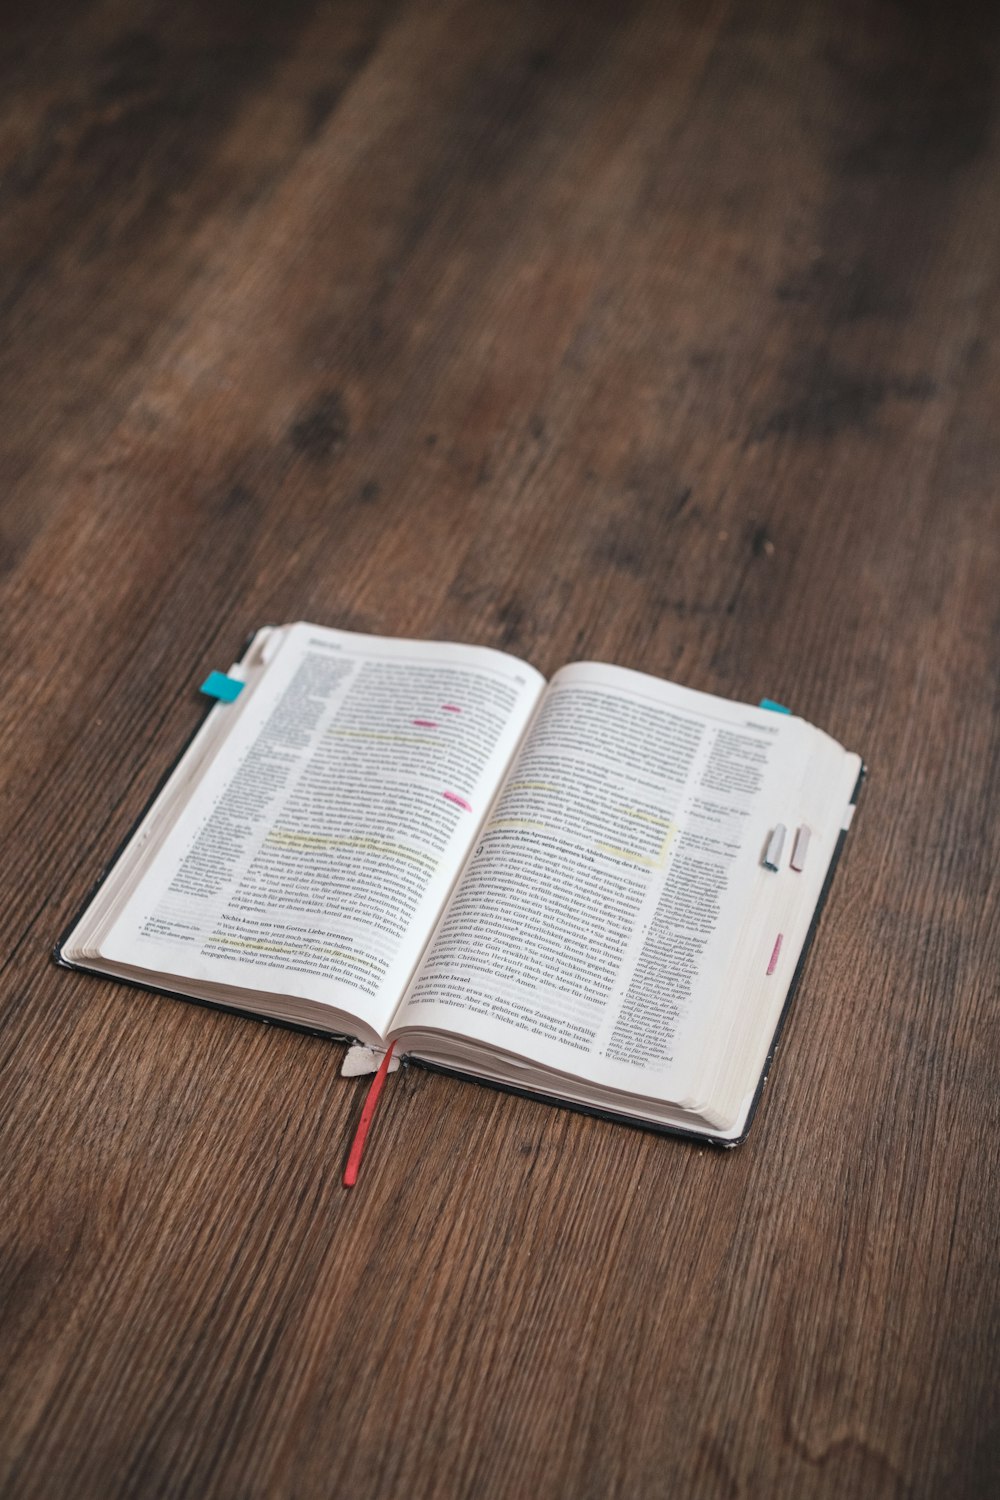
(667,334)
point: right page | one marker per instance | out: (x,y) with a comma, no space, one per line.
(597,927)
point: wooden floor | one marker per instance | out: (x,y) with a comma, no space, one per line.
(662,333)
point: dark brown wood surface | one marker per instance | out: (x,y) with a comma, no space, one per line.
(667,334)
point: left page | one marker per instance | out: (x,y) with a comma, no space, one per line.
(314,856)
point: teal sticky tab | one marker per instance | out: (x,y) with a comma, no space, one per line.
(776,708)
(218,685)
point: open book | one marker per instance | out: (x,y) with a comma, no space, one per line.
(563,888)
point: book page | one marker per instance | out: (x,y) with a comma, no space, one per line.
(315,854)
(592,926)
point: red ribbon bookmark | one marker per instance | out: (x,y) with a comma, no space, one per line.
(367,1114)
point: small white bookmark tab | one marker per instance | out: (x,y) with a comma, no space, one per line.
(270,643)
(800,850)
(360,1060)
(772,859)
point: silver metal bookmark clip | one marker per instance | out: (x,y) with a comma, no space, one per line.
(800,849)
(775,844)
